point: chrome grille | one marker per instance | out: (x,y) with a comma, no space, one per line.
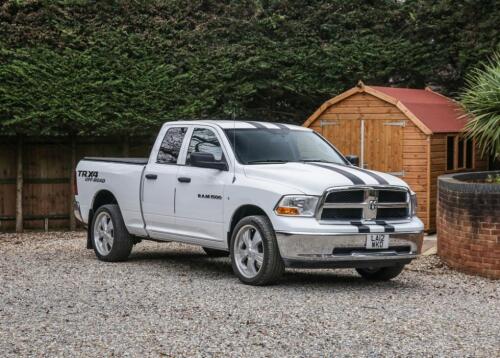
(364,203)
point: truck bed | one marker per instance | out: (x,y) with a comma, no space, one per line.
(136,161)
(119,176)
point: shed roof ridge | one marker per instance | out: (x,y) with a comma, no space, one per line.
(432,112)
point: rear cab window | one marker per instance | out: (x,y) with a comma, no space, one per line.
(171,144)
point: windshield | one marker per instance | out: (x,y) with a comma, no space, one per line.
(257,146)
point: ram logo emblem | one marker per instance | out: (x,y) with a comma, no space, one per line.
(373,204)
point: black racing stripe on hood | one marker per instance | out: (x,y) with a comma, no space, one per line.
(377,177)
(355,179)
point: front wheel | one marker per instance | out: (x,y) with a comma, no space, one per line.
(110,238)
(380,273)
(255,255)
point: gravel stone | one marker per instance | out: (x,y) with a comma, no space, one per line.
(169,299)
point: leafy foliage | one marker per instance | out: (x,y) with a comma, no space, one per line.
(124,67)
(482,99)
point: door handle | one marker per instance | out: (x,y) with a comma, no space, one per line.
(184,180)
(151,176)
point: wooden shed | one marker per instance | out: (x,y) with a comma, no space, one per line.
(410,133)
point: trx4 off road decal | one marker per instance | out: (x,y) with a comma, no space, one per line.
(92,176)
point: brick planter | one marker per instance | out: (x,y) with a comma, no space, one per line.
(468,224)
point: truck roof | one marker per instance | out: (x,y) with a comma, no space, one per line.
(229,124)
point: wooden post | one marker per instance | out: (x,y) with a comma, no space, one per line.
(19,186)
(72,220)
(126,147)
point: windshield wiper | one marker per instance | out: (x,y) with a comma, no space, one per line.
(269,161)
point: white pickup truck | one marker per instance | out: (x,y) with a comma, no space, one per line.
(270,195)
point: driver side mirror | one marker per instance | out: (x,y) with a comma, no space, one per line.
(353,159)
(206,160)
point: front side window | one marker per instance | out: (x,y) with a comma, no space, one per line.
(258,146)
(205,141)
(171,145)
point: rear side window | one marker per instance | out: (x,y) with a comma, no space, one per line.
(171,145)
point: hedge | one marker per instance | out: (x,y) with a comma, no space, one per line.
(124,67)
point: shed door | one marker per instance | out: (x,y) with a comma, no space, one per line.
(344,134)
(377,142)
(383,145)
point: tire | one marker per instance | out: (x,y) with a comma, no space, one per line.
(215,253)
(380,274)
(258,263)
(117,248)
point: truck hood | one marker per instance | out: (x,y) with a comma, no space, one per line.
(315,178)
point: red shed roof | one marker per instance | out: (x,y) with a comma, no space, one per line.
(437,112)
(430,111)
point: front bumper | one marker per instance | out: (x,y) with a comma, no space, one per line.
(346,250)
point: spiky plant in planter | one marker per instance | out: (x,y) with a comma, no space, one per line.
(481,99)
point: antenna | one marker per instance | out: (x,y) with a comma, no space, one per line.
(234,145)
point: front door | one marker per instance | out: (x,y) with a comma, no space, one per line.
(199,209)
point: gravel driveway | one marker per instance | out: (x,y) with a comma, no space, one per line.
(172,300)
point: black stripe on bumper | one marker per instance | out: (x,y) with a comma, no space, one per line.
(361,228)
(387,227)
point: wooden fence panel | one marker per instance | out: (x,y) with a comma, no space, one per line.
(47,170)
(7,184)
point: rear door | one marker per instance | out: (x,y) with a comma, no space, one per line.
(159,180)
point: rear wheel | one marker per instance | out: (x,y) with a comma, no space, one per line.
(380,273)
(110,238)
(215,253)
(255,256)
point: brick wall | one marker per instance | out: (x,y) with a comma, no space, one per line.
(468,224)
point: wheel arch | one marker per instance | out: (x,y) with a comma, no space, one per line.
(102,197)
(240,213)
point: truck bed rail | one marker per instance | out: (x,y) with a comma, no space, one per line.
(136,161)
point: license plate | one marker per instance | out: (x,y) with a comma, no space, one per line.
(377,241)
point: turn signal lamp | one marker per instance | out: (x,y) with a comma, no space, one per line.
(285,210)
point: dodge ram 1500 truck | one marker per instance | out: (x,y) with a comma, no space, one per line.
(270,195)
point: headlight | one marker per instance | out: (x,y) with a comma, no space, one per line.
(413,203)
(297,205)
